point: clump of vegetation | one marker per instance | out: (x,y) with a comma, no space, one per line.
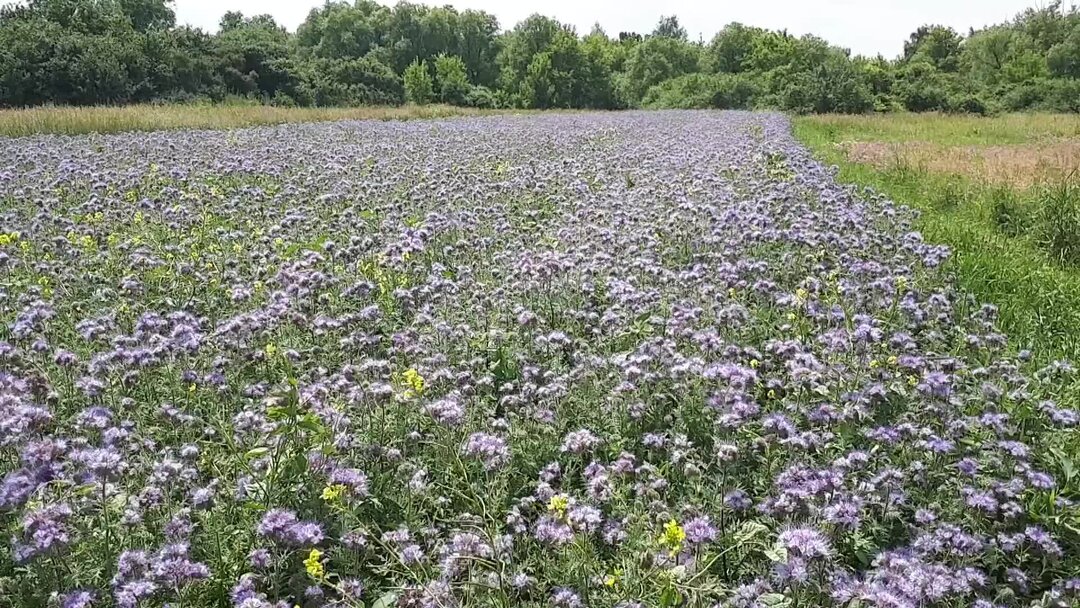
(951,195)
(1058,231)
(1011,215)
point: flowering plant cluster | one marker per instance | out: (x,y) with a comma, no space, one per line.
(639,359)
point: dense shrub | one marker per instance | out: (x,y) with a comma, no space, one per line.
(723,91)
(967,103)
(482,97)
(418,84)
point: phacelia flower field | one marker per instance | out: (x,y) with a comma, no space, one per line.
(634,360)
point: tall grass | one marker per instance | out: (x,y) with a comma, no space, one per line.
(1017,249)
(945,129)
(69,120)
(1059,221)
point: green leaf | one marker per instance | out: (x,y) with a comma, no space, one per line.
(256,452)
(311,423)
(386,601)
(277,412)
(775,600)
(670,597)
(749,530)
(777,553)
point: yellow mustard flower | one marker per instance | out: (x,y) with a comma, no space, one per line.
(558,504)
(414,381)
(333,492)
(314,567)
(673,537)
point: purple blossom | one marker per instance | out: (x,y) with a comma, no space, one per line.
(700,530)
(579,442)
(490,449)
(805,542)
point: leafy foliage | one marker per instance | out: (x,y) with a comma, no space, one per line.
(452,79)
(123,51)
(418,84)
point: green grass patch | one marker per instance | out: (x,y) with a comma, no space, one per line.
(1019,250)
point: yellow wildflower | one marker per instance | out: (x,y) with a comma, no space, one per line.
(754,363)
(313,566)
(333,492)
(414,381)
(558,504)
(673,537)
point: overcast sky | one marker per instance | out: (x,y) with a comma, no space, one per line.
(865,26)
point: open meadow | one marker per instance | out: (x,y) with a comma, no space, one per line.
(639,359)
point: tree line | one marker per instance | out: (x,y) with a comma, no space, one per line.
(355,53)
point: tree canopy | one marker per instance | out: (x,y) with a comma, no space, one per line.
(363,52)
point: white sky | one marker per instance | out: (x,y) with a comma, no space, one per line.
(865,26)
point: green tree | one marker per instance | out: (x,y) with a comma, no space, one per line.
(936,44)
(669,27)
(252,56)
(600,56)
(418,85)
(536,62)
(731,49)
(1064,57)
(986,52)
(699,90)
(452,79)
(146,15)
(553,78)
(340,30)
(921,87)
(655,60)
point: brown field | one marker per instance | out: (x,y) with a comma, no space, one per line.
(1017,165)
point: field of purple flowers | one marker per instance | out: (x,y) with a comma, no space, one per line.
(636,359)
